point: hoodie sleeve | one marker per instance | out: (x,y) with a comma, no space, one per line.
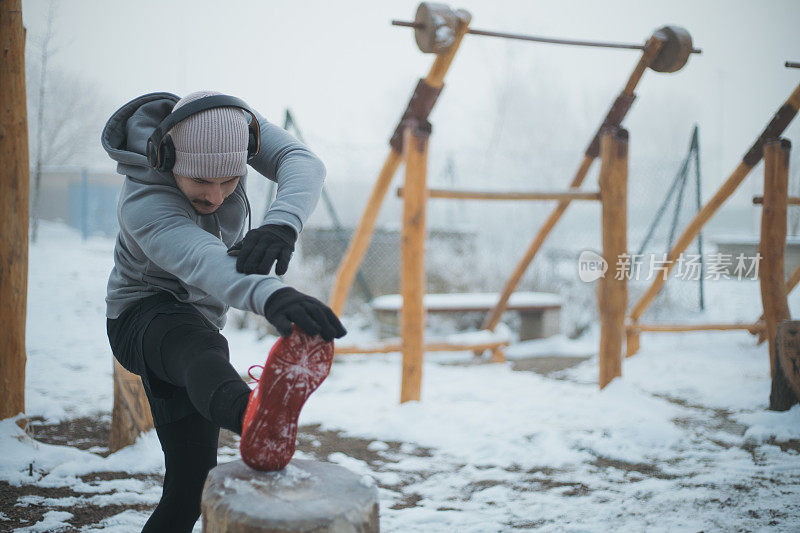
(165,232)
(297,171)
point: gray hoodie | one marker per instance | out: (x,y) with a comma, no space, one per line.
(165,245)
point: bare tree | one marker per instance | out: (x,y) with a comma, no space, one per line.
(46,52)
(66,110)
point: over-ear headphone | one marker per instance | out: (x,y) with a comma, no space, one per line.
(161,150)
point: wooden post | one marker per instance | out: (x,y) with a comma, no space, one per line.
(771,249)
(412,274)
(612,293)
(14,193)
(773,239)
(787,346)
(357,248)
(131,414)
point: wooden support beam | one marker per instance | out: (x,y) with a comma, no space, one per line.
(14,192)
(359,243)
(791,283)
(396,345)
(616,114)
(612,290)
(790,200)
(679,328)
(780,120)
(574,194)
(412,260)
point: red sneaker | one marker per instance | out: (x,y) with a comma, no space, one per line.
(295,367)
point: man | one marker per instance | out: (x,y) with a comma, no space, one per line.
(182,208)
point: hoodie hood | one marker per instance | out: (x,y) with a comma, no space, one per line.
(164,245)
(125,136)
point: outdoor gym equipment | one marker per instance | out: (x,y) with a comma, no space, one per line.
(616,114)
(779,122)
(440,30)
(435,25)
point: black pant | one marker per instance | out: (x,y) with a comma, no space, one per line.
(193,391)
(190,451)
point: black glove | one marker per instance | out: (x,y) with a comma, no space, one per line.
(262,247)
(288,305)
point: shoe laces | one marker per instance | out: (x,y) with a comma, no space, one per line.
(250,373)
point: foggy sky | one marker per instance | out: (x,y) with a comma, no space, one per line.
(347,73)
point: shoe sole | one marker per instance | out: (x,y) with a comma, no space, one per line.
(295,367)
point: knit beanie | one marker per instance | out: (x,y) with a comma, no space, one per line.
(212,143)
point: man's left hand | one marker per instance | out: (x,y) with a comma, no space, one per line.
(261,247)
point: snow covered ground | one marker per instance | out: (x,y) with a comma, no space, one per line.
(681,443)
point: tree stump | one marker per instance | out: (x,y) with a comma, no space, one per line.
(786,372)
(305,496)
(131,413)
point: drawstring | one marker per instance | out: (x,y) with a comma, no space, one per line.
(219,226)
(249,214)
(250,373)
(249,217)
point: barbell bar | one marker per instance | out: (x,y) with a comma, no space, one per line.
(434,26)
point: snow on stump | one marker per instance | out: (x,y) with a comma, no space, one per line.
(305,496)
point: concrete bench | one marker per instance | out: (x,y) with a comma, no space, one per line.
(305,496)
(539,312)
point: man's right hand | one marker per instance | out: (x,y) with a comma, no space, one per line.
(287,306)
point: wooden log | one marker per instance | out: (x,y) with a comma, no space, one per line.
(612,290)
(396,345)
(14,193)
(775,128)
(131,414)
(773,240)
(359,243)
(676,328)
(412,261)
(616,114)
(497,195)
(770,272)
(303,497)
(790,200)
(787,392)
